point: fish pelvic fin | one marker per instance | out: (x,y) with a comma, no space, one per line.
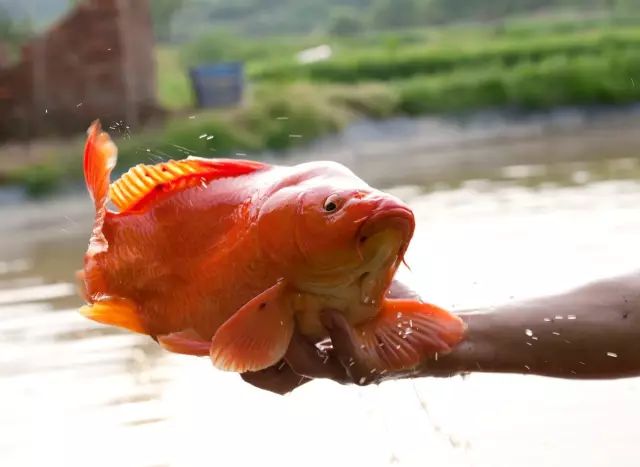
(187,342)
(257,335)
(406,332)
(100,155)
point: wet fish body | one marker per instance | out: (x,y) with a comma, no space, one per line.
(225,258)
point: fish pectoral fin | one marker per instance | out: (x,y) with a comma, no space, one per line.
(407,332)
(119,312)
(187,342)
(257,335)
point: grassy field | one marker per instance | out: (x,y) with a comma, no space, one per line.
(521,64)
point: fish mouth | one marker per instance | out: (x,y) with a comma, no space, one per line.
(378,272)
(383,240)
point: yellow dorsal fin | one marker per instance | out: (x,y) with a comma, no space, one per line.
(143,183)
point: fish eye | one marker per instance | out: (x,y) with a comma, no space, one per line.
(332,203)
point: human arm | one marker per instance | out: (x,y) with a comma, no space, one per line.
(589,332)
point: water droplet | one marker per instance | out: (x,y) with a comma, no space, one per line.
(555,333)
(204,135)
(558,317)
(571,317)
(528,332)
(535,338)
(612,354)
(527,367)
(547,319)
(209,138)
(399,314)
(191,117)
(362,380)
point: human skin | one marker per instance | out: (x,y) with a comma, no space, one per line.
(591,332)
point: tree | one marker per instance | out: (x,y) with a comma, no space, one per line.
(13,31)
(162,12)
(344,22)
(389,14)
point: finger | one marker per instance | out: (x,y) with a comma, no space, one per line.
(306,359)
(346,348)
(279,379)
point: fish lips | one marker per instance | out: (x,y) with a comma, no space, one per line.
(389,215)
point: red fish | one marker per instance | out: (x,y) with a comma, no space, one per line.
(225,258)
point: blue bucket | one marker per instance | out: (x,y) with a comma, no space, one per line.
(218,85)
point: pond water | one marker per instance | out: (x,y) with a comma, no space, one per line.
(501,217)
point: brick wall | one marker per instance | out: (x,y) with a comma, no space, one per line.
(97,62)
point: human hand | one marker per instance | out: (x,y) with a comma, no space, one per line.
(341,360)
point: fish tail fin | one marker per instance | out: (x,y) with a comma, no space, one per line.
(100,154)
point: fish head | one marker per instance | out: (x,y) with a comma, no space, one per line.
(334,235)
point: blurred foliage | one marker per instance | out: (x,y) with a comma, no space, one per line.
(13,31)
(390,14)
(181,20)
(174,88)
(38,180)
(272,119)
(390,57)
(276,17)
(556,81)
(353,66)
(162,13)
(344,22)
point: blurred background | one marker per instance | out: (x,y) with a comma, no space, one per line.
(511,127)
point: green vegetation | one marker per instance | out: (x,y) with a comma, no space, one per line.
(399,68)
(174,87)
(12,33)
(270,120)
(556,81)
(445,56)
(258,18)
